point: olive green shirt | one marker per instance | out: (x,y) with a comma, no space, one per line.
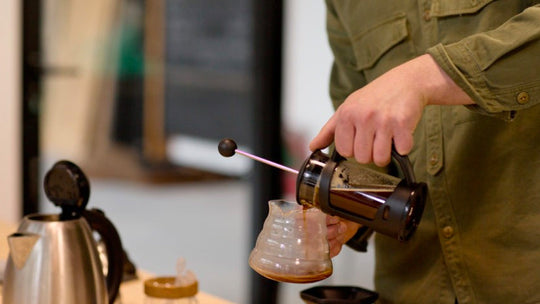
(479,238)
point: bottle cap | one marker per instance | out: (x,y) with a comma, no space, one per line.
(164,287)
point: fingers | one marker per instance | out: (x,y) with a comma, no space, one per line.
(332,219)
(336,237)
(334,248)
(336,231)
(344,132)
(403,141)
(382,147)
(367,135)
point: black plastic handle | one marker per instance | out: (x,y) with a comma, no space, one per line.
(115,252)
(405,165)
(403,161)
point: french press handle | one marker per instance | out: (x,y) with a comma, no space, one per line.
(402,160)
(405,165)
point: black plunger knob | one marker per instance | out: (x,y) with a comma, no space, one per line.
(227,147)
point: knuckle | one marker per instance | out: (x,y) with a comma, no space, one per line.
(343,148)
(362,155)
(362,158)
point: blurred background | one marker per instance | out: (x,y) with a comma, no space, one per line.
(138,93)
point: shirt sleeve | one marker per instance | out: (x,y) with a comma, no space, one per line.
(344,77)
(499,68)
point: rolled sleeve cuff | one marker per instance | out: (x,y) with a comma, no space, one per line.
(442,55)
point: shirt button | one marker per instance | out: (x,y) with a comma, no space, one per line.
(522,98)
(448,232)
(427,15)
(434,159)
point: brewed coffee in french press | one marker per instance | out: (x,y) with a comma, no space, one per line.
(342,187)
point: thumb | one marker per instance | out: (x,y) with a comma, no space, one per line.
(325,136)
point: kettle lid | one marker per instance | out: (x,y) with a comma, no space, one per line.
(67,187)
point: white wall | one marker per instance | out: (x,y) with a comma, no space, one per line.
(307,106)
(307,60)
(10,103)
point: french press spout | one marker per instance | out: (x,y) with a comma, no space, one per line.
(342,187)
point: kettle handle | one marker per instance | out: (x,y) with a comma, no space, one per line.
(403,161)
(115,252)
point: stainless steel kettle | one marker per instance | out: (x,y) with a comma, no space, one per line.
(54,258)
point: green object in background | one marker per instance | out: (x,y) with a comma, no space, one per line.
(131,57)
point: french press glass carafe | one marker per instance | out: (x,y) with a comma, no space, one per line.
(345,188)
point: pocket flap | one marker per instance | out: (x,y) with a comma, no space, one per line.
(442,8)
(371,44)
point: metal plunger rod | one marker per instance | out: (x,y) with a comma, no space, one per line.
(227,147)
(271,163)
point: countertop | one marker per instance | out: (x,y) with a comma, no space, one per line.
(131,292)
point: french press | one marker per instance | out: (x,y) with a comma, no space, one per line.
(342,187)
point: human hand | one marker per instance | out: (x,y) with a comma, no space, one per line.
(338,232)
(387,110)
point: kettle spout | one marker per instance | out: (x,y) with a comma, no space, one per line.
(20,247)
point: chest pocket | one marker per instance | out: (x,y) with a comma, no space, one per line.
(443,8)
(382,46)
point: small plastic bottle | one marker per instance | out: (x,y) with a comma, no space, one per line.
(163,290)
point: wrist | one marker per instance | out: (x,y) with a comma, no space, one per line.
(437,87)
